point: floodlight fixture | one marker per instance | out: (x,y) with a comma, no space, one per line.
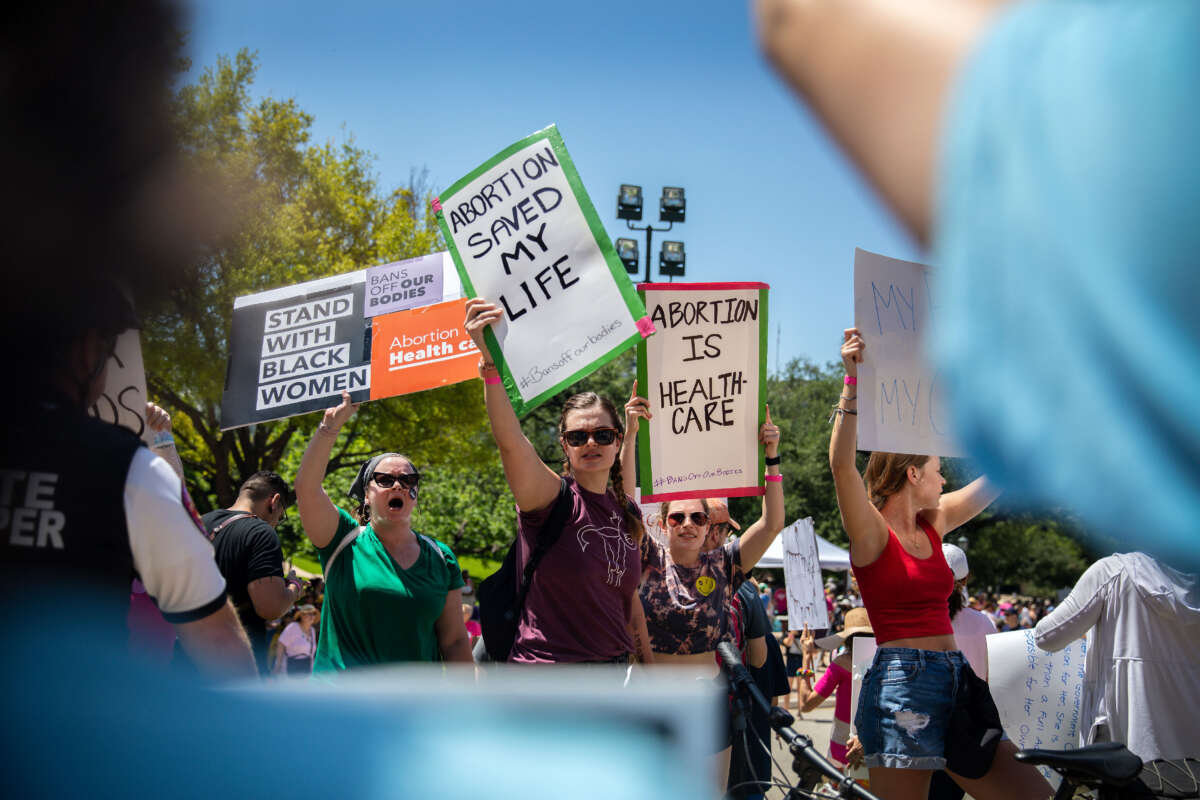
(627,251)
(672,206)
(671,259)
(629,202)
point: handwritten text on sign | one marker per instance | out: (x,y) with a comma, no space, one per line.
(900,408)
(802,576)
(702,373)
(1038,694)
(521,233)
(124,399)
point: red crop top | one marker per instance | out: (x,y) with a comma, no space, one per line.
(907,596)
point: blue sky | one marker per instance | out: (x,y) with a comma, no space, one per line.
(653,93)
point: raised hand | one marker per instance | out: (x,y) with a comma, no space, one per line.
(768,435)
(480,314)
(157,418)
(636,409)
(853,348)
(336,417)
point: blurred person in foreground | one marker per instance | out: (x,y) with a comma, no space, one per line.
(1046,152)
(1142,669)
(94,216)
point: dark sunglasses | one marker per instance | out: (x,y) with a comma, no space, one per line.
(699,518)
(600,436)
(386,480)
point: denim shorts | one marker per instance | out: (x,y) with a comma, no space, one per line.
(904,707)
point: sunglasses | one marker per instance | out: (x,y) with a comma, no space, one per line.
(699,518)
(384,480)
(600,436)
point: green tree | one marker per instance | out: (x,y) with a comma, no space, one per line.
(303,210)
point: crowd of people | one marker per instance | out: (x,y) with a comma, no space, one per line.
(103,544)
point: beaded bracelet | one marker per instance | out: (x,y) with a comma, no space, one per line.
(773,478)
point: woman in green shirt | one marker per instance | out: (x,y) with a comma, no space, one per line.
(391,594)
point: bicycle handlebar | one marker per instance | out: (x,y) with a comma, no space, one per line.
(799,744)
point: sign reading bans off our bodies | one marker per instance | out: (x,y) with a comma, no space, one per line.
(296,349)
(525,236)
(703,373)
(899,407)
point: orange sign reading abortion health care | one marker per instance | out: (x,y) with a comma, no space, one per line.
(421,348)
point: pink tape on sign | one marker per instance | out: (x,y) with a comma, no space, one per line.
(645,326)
(436,204)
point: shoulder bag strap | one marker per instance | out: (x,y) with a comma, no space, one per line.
(549,535)
(223,525)
(350,537)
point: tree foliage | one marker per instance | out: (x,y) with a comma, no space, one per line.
(303,210)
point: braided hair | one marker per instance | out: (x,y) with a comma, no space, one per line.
(584,400)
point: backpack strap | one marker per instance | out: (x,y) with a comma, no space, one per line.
(350,537)
(435,547)
(549,535)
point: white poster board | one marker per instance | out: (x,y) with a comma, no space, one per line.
(1038,694)
(124,399)
(864,654)
(703,373)
(900,409)
(525,236)
(802,576)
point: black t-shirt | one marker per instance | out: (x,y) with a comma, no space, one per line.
(246,549)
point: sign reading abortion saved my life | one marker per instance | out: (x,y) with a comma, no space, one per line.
(703,373)
(296,349)
(525,236)
(899,407)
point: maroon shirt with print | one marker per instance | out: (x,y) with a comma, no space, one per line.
(688,608)
(579,604)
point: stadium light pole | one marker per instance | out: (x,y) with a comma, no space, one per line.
(672,208)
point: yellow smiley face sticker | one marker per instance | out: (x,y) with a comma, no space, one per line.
(705,585)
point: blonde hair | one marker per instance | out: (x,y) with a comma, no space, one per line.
(887,473)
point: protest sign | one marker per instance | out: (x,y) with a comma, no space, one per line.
(124,399)
(899,407)
(421,348)
(524,235)
(295,349)
(408,284)
(864,654)
(703,373)
(1037,693)
(802,576)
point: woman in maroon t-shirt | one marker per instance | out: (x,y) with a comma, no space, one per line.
(895,521)
(595,562)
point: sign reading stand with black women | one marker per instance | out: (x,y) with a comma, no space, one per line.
(525,236)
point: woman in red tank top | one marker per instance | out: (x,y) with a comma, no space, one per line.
(895,521)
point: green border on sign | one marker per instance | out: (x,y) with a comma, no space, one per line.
(634,304)
(762,382)
(645,474)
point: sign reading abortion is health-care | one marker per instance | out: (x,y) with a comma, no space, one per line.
(525,236)
(703,373)
(899,407)
(297,348)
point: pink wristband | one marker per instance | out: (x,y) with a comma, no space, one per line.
(774,478)
(850,380)
(492,380)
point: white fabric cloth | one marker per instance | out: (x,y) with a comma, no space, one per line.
(970,628)
(294,643)
(1142,678)
(171,552)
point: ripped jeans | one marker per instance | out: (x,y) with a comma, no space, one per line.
(904,707)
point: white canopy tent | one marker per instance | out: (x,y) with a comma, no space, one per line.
(830,555)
